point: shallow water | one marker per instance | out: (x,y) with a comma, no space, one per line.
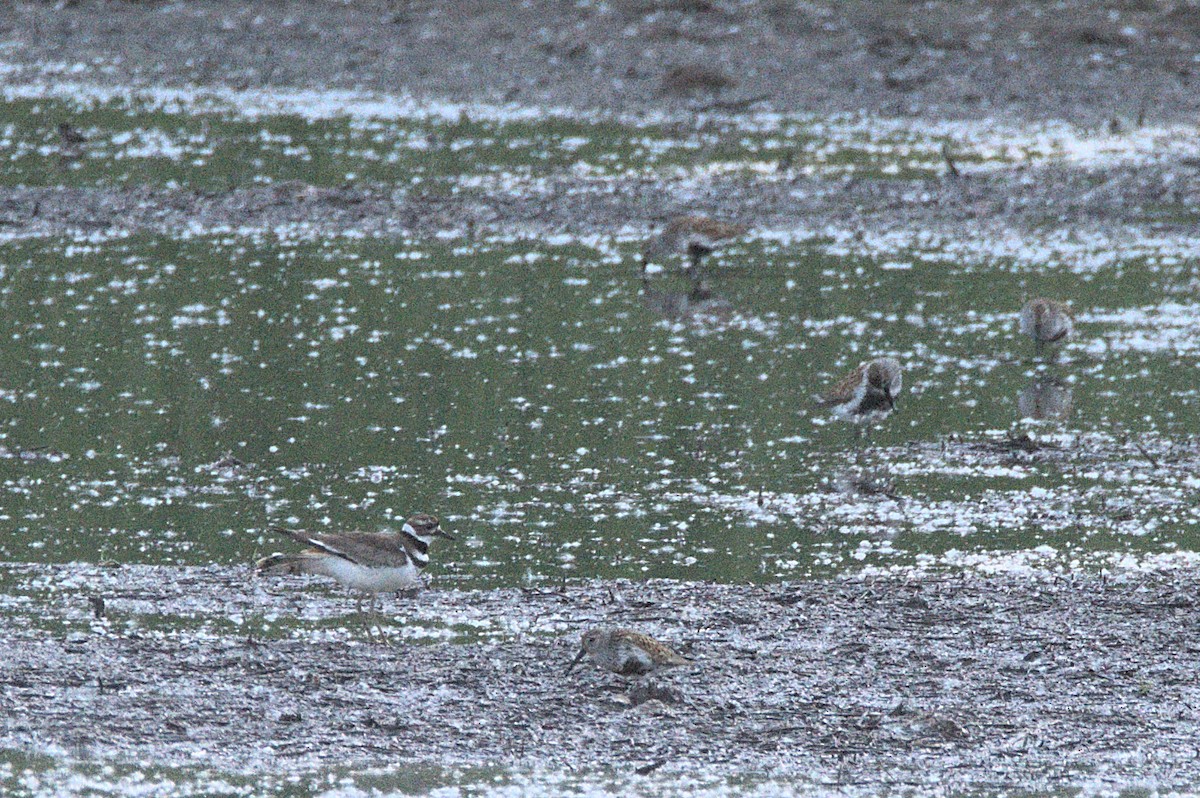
(171,396)
(535,396)
(563,417)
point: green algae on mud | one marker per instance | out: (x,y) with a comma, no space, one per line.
(211,146)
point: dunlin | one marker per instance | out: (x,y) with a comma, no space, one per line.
(626,652)
(1046,321)
(692,237)
(867,394)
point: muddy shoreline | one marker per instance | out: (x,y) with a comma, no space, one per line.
(1153,199)
(1082,62)
(1022,681)
(956,682)
(1091,66)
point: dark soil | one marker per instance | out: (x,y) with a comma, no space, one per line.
(1097,65)
(1084,62)
(957,682)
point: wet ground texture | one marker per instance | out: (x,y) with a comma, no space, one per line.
(1004,677)
(1111,68)
(1082,62)
(953,682)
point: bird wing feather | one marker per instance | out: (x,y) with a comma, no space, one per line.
(843,390)
(364,548)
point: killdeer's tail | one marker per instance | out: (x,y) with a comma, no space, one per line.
(285,564)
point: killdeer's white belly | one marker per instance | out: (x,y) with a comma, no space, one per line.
(373,580)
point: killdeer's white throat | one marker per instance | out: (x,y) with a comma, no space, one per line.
(626,652)
(373,562)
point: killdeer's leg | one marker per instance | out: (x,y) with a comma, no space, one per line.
(379,630)
(374,613)
(365,621)
(359,615)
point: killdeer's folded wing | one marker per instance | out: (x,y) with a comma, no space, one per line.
(364,548)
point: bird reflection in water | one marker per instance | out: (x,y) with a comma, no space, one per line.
(698,304)
(1046,398)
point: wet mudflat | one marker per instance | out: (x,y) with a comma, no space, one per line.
(847,685)
(304,268)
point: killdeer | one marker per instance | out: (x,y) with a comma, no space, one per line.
(690,236)
(372,562)
(626,652)
(1046,321)
(867,394)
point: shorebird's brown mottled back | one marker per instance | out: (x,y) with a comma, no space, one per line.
(692,237)
(1046,321)
(626,652)
(866,394)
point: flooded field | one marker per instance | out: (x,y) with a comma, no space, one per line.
(174,395)
(227,309)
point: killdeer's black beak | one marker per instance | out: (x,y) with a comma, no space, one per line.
(575,662)
(887,392)
(441,533)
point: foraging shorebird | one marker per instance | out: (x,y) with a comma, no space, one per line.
(1046,321)
(69,136)
(626,652)
(381,562)
(867,395)
(690,236)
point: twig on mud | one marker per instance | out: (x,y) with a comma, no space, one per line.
(646,770)
(1149,457)
(786,599)
(1023,442)
(531,592)
(784,730)
(951,168)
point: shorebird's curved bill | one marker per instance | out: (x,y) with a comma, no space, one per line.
(575,661)
(887,392)
(441,533)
